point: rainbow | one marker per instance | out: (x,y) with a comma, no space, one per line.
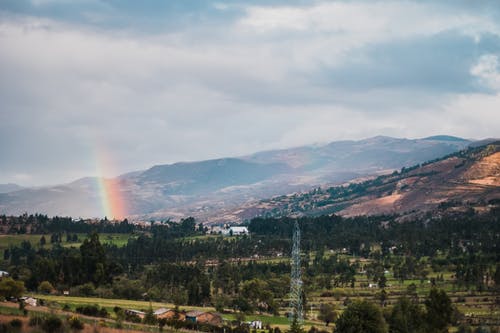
(110,191)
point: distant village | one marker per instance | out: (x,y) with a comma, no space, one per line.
(24,225)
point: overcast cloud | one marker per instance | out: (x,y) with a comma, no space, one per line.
(153,82)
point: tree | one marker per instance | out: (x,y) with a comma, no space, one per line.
(361,317)
(296,326)
(464,329)
(93,259)
(438,310)
(327,313)
(55,238)
(6,254)
(11,288)
(382,281)
(220,302)
(43,241)
(496,277)
(382,296)
(86,289)
(258,295)
(161,323)
(149,317)
(45,287)
(482,329)
(240,317)
(411,291)
(193,289)
(406,317)
(179,296)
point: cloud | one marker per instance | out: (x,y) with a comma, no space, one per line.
(487,70)
(77,79)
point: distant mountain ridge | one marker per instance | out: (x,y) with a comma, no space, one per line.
(209,189)
(206,176)
(9,187)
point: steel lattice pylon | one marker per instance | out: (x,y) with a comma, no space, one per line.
(296,280)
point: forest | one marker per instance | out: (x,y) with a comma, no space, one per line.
(377,258)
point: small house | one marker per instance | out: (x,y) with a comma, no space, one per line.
(130,312)
(204,317)
(29,300)
(192,316)
(169,314)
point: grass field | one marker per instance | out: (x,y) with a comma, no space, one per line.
(109,303)
(15,240)
(73,302)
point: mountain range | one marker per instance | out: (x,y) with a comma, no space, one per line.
(213,190)
(468,179)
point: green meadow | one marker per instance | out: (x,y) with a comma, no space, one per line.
(15,240)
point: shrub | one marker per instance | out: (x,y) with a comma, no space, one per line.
(464,329)
(313,330)
(35,321)
(75,323)
(92,310)
(88,310)
(45,287)
(119,324)
(86,289)
(103,313)
(16,323)
(52,324)
(132,318)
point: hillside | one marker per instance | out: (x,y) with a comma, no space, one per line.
(5,188)
(470,178)
(209,190)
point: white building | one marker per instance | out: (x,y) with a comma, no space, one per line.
(236,231)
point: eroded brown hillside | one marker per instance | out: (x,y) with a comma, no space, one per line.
(467,179)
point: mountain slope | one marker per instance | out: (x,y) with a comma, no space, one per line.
(206,176)
(208,190)
(6,188)
(470,178)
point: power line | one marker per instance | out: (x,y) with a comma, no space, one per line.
(296,280)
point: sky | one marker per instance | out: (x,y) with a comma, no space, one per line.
(104,87)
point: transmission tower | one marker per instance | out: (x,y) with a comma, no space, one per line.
(296,283)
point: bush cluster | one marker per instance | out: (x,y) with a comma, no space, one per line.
(93,311)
